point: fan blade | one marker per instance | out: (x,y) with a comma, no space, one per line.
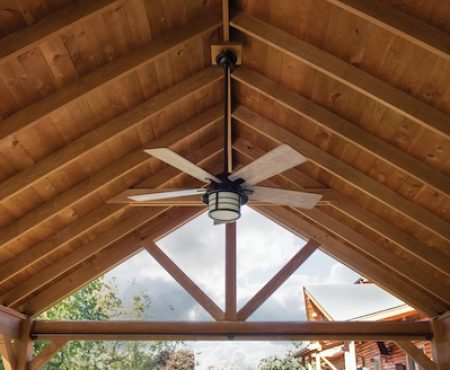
(285,197)
(177,161)
(165,194)
(270,164)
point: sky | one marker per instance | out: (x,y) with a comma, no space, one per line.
(198,248)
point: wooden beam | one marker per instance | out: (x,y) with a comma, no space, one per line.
(10,322)
(105,75)
(106,176)
(107,259)
(355,78)
(7,353)
(24,346)
(400,24)
(46,354)
(418,356)
(440,344)
(345,172)
(108,330)
(355,259)
(346,130)
(108,237)
(92,140)
(184,280)
(277,280)
(230,270)
(328,362)
(53,25)
(340,202)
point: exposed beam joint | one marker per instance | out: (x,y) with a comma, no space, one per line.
(355,78)
(10,322)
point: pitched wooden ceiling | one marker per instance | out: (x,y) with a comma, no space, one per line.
(360,88)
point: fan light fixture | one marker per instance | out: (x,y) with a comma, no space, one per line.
(224,206)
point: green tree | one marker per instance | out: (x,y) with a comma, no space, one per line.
(99,301)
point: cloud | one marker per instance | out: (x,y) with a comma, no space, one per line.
(340,274)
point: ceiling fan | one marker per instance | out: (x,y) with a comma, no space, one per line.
(226,192)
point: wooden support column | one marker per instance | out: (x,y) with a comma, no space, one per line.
(7,353)
(230,271)
(441,341)
(24,346)
(317,357)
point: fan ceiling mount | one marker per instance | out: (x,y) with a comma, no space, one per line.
(226,192)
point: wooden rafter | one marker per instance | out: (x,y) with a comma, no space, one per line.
(107,259)
(421,358)
(105,239)
(184,280)
(346,130)
(103,76)
(350,256)
(400,24)
(107,175)
(342,203)
(277,280)
(345,73)
(52,25)
(46,354)
(230,329)
(388,259)
(87,143)
(345,172)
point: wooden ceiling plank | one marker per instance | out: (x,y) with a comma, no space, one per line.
(400,24)
(107,132)
(102,241)
(43,249)
(105,176)
(346,130)
(46,354)
(262,330)
(350,208)
(277,280)
(107,259)
(105,75)
(345,172)
(54,24)
(347,255)
(391,97)
(421,358)
(184,280)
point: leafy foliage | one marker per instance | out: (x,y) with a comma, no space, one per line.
(99,301)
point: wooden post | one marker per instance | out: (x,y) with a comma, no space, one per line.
(350,356)
(230,271)
(24,346)
(440,343)
(317,356)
